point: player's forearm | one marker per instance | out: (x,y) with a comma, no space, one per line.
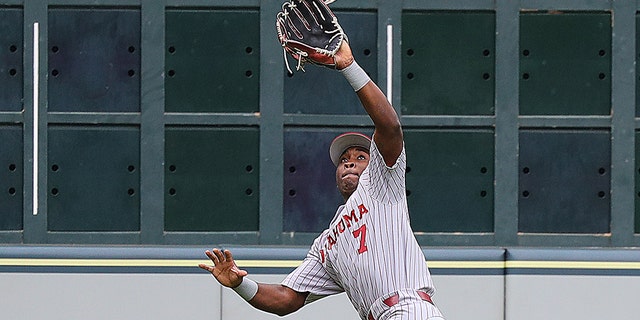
(387,124)
(388,130)
(277,299)
(382,114)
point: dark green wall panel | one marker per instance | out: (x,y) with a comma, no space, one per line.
(11,181)
(211,179)
(565,64)
(212,61)
(637,58)
(448,63)
(11,50)
(450,180)
(310,193)
(337,95)
(93,179)
(94,60)
(564,182)
(637,184)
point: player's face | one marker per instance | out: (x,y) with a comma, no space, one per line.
(352,162)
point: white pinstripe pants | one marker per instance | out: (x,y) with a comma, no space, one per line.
(409,307)
(419,311)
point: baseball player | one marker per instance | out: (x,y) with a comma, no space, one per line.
(369,250)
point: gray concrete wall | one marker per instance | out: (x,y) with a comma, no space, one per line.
(164,283)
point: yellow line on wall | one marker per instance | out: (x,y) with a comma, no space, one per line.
(573,265)
(295,263)
(466,264)
(141,263)
(97,262)
(268,263)
(194,263)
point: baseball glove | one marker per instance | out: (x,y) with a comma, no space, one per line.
(309,31)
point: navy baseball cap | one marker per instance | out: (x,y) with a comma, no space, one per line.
(345,141)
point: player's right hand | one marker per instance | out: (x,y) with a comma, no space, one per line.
(224,269)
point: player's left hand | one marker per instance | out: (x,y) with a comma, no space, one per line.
(224,269)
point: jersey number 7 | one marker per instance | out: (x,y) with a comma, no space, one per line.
(362,233)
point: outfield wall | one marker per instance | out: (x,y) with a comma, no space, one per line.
(165,283)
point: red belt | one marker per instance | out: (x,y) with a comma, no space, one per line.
(395,298)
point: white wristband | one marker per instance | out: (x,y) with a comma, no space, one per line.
(247,289)
(356,76)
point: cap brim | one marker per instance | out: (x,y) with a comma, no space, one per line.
(345,141)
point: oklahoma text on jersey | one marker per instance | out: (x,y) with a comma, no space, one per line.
(345,224)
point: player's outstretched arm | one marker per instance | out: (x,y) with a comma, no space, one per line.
(273,298)
(388,131)
(278,299)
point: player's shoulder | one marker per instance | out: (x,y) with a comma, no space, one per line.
(377,160)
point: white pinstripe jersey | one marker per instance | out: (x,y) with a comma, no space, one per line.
(369,249)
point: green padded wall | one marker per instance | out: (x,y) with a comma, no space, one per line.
(337,95)
(11,180)
(11,49)
(448,63)
(565,63)
(450,180)
(637,184)
(637,58)
(212,61)
(211,179)
(93,178)
(94,60)
(164,122)
(564,182)
(310,193)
